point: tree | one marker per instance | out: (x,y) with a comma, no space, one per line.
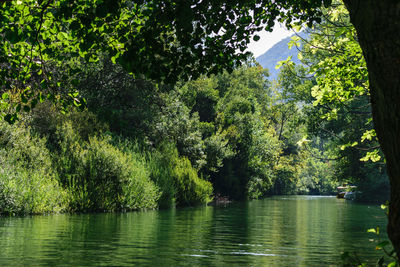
(161,40)
(378,27)
(339,111)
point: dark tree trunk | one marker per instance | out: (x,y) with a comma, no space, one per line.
(378,28)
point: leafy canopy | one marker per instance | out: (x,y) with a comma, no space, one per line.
(159,40)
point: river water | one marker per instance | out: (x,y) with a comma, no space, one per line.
(277,231)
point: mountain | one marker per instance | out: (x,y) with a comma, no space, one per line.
(280,51)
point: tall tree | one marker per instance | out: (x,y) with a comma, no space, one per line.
(378,25)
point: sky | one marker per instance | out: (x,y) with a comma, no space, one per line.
(268,39)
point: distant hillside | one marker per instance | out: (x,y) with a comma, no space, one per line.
(280,51)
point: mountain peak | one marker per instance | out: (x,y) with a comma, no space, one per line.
(280,51)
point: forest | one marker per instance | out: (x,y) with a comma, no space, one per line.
(99,115)
(138,144)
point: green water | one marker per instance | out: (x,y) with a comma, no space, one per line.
(279,231)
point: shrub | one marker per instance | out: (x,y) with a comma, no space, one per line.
(177,178)
(160,169)
(28,183)
(25,191)
(104,178)
(191,190)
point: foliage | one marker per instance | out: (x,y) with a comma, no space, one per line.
(332,88)
(76,165)
(191,190)
(28,182)
(177,178)
(389,258)
(160,168)
(109,179)
(247,148)
(158,40)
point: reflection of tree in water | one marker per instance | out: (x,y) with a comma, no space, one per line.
(277,231)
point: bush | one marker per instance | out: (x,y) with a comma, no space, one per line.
(74,166)
(161,174)
(23,191)
(177,178)
(191,190)
(103,178)
(28,183)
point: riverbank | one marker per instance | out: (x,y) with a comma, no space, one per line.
(77,167)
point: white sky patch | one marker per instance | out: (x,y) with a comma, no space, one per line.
(268,39)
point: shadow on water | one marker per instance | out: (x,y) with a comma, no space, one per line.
(278,231)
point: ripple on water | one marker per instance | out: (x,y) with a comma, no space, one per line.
(279,231)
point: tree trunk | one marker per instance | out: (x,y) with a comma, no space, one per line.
(377,23)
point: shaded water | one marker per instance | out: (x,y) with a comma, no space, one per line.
(278,231)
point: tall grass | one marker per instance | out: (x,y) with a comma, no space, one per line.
(28,182)
(177,178)
(100,176)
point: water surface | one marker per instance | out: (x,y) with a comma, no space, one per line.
(278,231)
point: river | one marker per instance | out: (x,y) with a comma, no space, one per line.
(277,231)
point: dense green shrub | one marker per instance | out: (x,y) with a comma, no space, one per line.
(177,178)
(27,191)
(119,177)
(99,176)
(161,173)
(28,183)
(191,190)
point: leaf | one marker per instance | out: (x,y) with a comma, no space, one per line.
(300,56)
(283,62)
(62,36)
(382,245)
(368,135)
(5,96)
(380,261)
(373,156)
(256,38)
(296,28)
(373,230)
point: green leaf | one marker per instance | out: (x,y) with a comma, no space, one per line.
(373,230)
(382,245)
(283,62)
(300,56)
(380,261)
(5,96)
(256,38)
(373,156)
(368,135)
(62,36)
